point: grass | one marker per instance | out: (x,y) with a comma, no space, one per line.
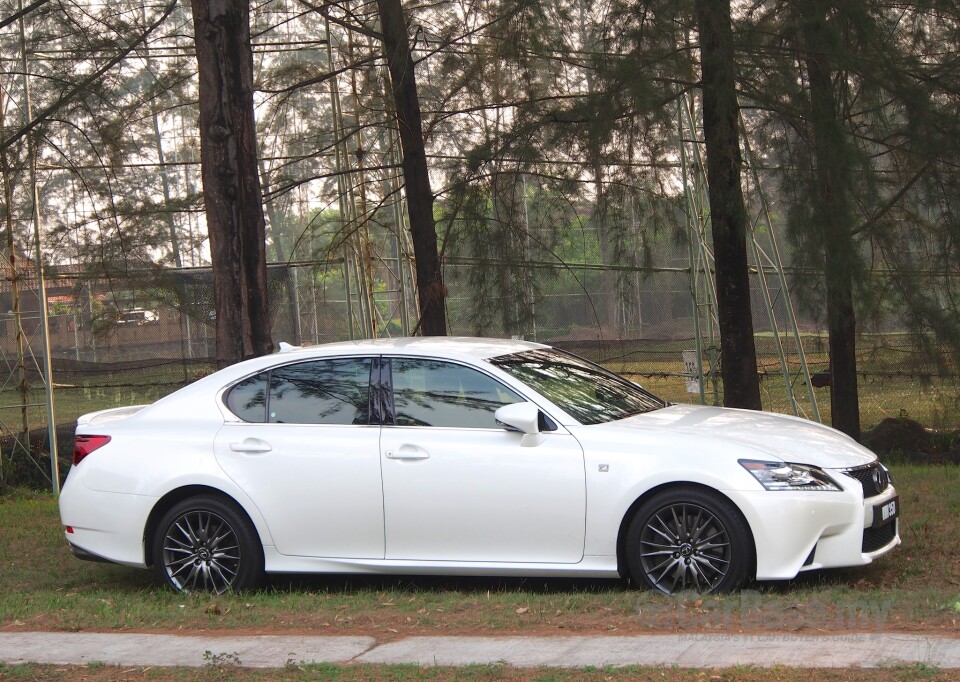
(404,673)
(917,588)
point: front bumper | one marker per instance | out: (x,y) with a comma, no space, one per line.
(802,531)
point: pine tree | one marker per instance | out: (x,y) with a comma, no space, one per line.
(728,216)
(396,51)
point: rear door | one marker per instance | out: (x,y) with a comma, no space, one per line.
(304,449)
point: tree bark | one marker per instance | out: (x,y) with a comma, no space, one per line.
(728,216)
(833,220)
(231,184)
(431,291)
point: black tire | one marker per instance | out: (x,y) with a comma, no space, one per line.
(689,539)
(207,544)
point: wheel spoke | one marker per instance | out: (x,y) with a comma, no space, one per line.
(178,550)
(195,571)
(677,523)
(190,533)
(673,563)
(182,563)
(662,552)
(719,533)
(704,527)
(706,562)
(216,574)
(700,580)
(667,534)
(184,546)
(712,548)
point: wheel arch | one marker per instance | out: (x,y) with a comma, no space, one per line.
(656,490)
(165,503)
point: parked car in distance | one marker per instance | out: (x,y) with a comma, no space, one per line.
(464,456)
(137,316)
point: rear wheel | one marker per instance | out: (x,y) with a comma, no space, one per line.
(689,539)
(207,544)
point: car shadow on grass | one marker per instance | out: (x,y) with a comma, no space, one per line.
(104,576)
(348,583)
(345,584)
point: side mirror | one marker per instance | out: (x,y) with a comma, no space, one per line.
(522,417)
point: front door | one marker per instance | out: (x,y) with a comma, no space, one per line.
(458,487)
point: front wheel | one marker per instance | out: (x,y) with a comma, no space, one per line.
(689,539)
(207,544)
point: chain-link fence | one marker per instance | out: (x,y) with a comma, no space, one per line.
(643,322)
(121,341)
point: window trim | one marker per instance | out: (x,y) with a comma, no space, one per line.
(381,393)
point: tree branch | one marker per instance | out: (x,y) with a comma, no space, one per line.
(883,210)
(86,83)
(22,13)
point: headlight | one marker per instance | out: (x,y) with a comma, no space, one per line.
(780,476)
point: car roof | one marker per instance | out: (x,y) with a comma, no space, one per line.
(446,346)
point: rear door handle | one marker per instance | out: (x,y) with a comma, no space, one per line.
(251,445)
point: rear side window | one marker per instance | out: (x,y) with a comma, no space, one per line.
(318,392)
(248,399)
(321,392)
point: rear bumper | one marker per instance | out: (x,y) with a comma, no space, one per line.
(84,555)
(105,525)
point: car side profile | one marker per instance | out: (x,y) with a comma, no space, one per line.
(440,456)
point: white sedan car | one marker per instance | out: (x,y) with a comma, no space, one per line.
(464,456)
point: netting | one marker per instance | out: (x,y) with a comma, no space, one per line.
(131,341)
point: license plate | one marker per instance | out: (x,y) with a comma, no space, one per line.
(886,513)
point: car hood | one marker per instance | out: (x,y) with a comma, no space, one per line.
(790,439)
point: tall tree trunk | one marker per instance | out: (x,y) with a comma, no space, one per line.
(431,291)
(833,220)
(231,185)
(728,216)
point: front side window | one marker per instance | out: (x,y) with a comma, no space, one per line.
(318,392)
(587,392)
(436,393)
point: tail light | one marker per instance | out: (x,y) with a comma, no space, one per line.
(84,445)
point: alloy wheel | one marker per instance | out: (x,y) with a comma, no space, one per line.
(684,546)
(201,552)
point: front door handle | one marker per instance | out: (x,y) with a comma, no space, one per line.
(408,452)
(251,445)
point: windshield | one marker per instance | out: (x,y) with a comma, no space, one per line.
(587,392)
